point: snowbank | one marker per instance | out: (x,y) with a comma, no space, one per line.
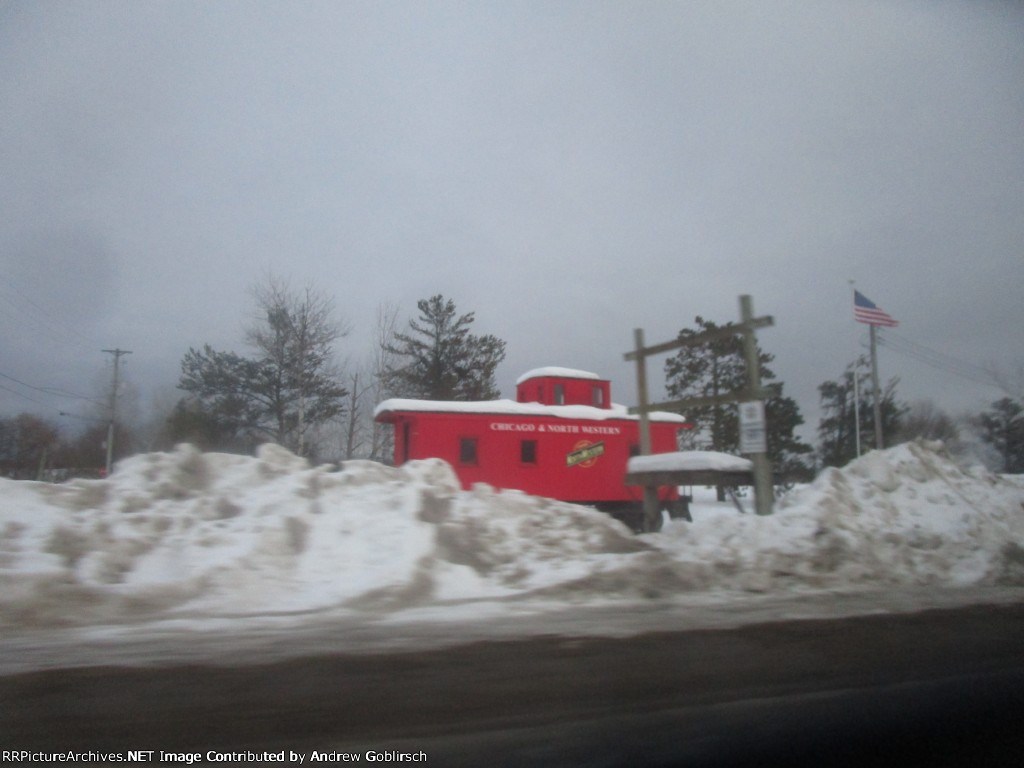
(220,534)
(185,534)
(907,515)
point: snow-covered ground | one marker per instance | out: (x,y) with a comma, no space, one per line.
(186,538)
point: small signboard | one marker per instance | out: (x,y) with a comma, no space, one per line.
(753,431)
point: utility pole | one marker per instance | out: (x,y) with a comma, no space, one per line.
(113,404)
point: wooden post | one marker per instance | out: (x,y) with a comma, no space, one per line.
(753,391)
(762,466)
(641,392)
(651,510)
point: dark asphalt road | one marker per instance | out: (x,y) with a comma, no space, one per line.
(940,687)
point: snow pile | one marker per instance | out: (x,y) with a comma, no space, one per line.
(907,515)
(186,534)
(220,534)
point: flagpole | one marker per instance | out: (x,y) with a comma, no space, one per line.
(856,403)
(878,400)
(856,384)
(866,311)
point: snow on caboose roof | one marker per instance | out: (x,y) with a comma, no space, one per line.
(554,370)
(512,408)
(693,461)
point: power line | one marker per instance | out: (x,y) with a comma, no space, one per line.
(83,418)
(55,391)
(26,397)
(33,324)
(42,319)
(935,359)
(941,357)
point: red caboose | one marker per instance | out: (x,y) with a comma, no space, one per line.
(562,438)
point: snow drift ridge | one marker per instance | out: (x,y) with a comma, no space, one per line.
(189,533)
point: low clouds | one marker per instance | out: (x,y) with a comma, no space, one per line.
(569,171)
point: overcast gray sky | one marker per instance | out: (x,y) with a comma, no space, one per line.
(567,170)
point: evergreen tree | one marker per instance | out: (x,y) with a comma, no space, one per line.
(439,359)
(718,367)
(283,393)
(1002,427)
(712,369)
(837,433)
(210,424)
(791,457)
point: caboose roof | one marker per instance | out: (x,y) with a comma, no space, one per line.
(553,371)
(512,408)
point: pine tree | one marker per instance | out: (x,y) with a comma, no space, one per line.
(439,359)
(718,367)
(209,425)
(837,433)
(712,369)
(791,457)
(1002,427)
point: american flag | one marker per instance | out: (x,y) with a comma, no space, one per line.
(865,311)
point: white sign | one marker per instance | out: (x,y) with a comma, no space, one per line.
(753,431)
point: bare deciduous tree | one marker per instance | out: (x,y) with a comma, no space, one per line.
(290,389)
(361,436)
(926,420)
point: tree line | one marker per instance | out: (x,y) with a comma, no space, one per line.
(846,424)
(288,387)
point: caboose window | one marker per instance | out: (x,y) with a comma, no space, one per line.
(597,398)
(559,394)
(467,450)
(528,451)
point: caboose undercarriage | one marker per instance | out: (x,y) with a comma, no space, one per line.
(631,513)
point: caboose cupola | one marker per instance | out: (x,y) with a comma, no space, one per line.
(563,386)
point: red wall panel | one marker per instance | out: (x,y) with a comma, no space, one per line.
(576,459)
